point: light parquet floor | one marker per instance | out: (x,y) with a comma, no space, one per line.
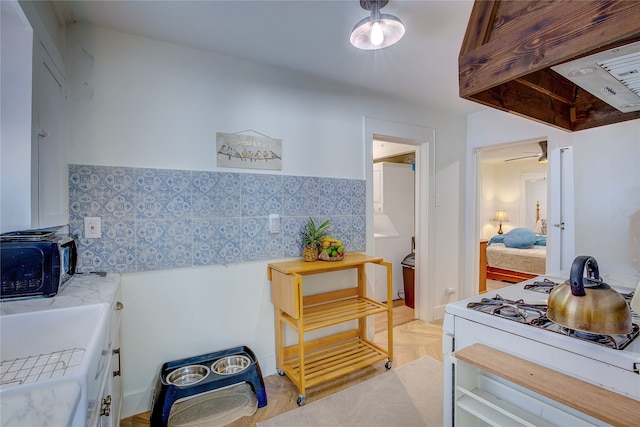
(412,339)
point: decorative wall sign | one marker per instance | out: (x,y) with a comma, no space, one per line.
(235,150)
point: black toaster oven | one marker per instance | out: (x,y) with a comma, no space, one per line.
(36,262)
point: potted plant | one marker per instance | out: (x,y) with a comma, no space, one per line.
(311,235)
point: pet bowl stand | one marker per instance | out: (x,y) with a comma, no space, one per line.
(166,393)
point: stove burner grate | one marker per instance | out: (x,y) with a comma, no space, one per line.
(617,342)
(536,315)
(545,286)
(518,311)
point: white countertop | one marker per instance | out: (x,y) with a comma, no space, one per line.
(83,289)
(54,404)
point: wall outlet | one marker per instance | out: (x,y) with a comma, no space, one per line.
(92,227)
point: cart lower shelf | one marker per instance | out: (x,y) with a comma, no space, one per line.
(334,361)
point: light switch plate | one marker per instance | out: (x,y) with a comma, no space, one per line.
(92,227)
(274,223)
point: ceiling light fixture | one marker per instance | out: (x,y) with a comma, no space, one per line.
(378,30)
(543,156)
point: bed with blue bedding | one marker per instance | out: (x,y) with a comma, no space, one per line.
(516,256)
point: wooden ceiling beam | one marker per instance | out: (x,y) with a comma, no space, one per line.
(549,35)
(551,84)
(510,45)
(526,101)
(591,111)
(479,26)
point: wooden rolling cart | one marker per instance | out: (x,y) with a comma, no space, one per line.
(309,363)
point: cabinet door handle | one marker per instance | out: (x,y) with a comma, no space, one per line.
(119,306)
(117,373)
(106,406)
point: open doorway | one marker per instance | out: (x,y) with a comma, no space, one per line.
(511,194)
(394,222)
(423,139)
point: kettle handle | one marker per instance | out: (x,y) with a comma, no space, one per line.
(577,270)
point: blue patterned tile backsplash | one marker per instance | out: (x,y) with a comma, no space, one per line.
(155,219)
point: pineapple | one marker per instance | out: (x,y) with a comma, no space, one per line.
(311,235)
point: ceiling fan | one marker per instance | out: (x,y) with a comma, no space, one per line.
(542,156)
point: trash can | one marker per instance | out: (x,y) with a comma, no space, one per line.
(408,278)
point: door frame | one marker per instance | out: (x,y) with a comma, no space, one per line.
(554,181)
(423,138)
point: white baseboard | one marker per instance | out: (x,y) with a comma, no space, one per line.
(136,403)
(438,312)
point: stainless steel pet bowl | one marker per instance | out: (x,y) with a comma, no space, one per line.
(188,375)
(231,365)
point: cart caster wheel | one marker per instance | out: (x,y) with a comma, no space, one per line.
(281,373)
(388,364)
(301,399)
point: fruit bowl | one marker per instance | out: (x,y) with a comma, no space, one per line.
(324,256)
(331,249)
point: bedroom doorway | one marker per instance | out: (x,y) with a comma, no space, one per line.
(559,213)
(511,178)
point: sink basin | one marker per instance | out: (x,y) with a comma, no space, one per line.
(41,332)
(42,348)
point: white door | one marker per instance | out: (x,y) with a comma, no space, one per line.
(52,173)
(561,225)
(533,194)
(16,59)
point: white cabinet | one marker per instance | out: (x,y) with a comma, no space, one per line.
(393,250)
(111,401)
(393,220)
(50,200)
(34,149)
(393,196)
(499,389)
(377,188)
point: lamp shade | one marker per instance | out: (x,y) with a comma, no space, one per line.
(363,35)
(501,216)
(378,30)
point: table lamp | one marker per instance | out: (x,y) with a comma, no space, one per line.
(501,216)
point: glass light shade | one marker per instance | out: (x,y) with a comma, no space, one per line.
(392,31)
(501,216)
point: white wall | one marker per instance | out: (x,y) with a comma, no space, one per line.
(447,249)
(489,188)
(502,186)
(606,181)
(607,193)
(159,105)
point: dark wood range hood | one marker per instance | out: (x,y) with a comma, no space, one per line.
(510,46)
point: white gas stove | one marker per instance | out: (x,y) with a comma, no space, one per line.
(513,320)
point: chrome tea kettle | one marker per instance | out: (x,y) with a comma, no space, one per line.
(587,304)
